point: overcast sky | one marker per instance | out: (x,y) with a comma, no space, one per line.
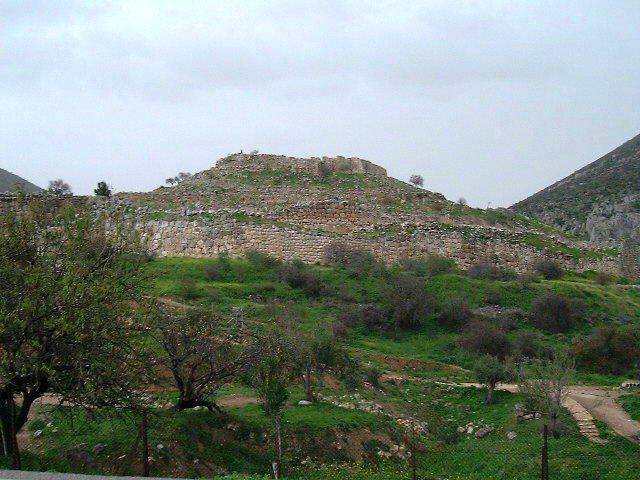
(487,100)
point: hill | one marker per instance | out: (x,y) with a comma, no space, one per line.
(299,208)
(600,202)
(8,182)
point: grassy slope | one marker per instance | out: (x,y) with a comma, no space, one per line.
(203,437)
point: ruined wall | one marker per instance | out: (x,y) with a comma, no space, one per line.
(630,259)
(304,232)
(209,238)
(252,163)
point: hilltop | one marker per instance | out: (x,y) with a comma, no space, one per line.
(8,182)
(600,202)
(296,208)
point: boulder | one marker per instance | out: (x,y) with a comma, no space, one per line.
(484,431)
(512,435)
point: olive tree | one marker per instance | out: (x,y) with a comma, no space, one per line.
(202,351)
(68,281)
(490,370)
(544,385)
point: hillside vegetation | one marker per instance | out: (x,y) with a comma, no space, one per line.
(411,367)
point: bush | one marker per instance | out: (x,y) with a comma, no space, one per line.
(528,344)
(359,263)
(339,330)
(188,289)
(603,278)
(407,301)
(610,350)
(372,376)
(555,313)
(488,271)
(297,275)
(548,269)
(493,296)
(260,260)
(456,313)
(429,266)
(484,338)
(219,269)
(369,316)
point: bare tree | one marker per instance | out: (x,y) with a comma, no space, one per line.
(544,385)
(202,351)
(59,187)
(416,180)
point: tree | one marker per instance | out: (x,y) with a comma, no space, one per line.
(202,352)
(416,180)
(67,284)
(544,385)
(407,302)
(182,176)
(59,187)
(489,371)
(103,190)
(484,338)
(271,376)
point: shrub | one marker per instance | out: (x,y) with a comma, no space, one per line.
(369,316)
(488,271)
(456,314)
(297,275)
(528,344)
(548,269)
(493,296)
(609,349)
(407,301)
(484,338)
(260,260)
(188,289)
(429,266)
(446,432)
(324,170)
(603,278)
(555,313)
(340,330)
(372,376)
(360,263)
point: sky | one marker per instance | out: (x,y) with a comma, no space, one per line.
(490,101)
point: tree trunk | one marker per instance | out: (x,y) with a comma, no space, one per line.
(490,389)
(555,429)
(278,462)
(145,443)
(13,435)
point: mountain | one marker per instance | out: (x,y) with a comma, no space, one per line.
(600,202)
(8,182)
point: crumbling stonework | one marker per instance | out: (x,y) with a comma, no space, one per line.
(293,208)
(630,259)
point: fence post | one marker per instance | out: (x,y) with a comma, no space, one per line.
(545,456)
(145,443)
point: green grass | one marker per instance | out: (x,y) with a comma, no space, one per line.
(201,444)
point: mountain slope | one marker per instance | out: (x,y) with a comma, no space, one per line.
(8,182)
(599,202)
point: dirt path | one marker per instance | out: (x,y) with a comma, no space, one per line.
(587,403)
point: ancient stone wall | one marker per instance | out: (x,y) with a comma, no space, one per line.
(630,259)
(256,162)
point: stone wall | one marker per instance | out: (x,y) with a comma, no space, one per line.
(209,238)
(630,259)
(255,162)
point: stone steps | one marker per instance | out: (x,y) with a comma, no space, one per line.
(584,419)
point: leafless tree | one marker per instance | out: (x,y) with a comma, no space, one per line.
(202,352)
(59,187)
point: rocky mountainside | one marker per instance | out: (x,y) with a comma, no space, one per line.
(8,182)
(600,202)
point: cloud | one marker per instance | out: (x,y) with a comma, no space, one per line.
(489,100)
